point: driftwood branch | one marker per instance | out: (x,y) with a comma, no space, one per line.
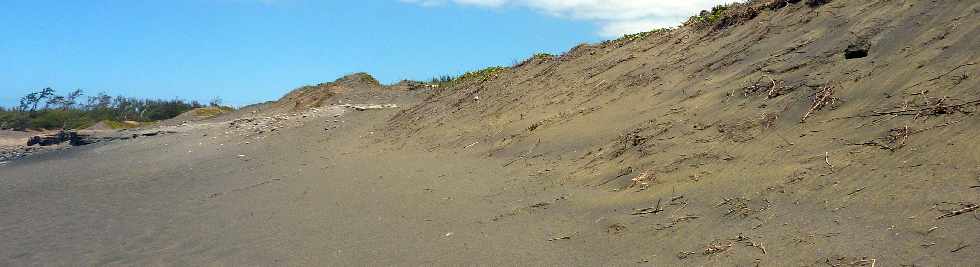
(650,210)
(940,76)
(915,111)
(969,208)
(822,99)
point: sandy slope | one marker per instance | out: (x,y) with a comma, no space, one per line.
(536,165)
(302,196)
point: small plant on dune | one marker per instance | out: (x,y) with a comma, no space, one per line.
(211,111)
(536,57)
(444,79)
(482,74)
(641,35)
(119,125)
(707,17)
(635,36)
(542,56)
(723,16)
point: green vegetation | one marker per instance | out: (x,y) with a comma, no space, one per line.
(119,125)
(723,16)
(542,56)
(45,109)
(536,57)
(641,35)
(707,17)
(719,17)
(211,111)
(483,74)
(369,79)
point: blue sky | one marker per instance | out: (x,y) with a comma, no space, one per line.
(248,51)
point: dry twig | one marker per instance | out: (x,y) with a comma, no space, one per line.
(960,247)
(940,75)
(937,107)
(650,210)
(562,237)
(856,191)
(967,209)
(759,245)
(823,98)
(643,180)
(718,248)
(826,159)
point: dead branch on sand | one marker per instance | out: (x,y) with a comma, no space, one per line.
(824,97)
(650,210)
(898,137)
(940,76)
(561,237)
(969,208)
(857,190)
(718,247)
(960,247)
(524,155)
(758,245)
(621,173)
(643,180)
(826,159)
(938,107)
(675,222)
(773,90)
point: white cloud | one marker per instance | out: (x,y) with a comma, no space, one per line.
(615,17)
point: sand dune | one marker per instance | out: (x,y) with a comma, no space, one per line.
(764,139)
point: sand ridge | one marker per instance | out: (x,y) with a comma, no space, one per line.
(759,143)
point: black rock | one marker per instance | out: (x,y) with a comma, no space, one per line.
(33,140)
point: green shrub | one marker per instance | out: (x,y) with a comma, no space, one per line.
(542,56)
(70,112)
(120,125)
(57,119)
(482,74)
(210,112)
(641,35)
(706,17)
(723,16)
(14,120)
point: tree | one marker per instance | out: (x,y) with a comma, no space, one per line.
(29,101)
(55,101)
(34,98)
(215,102)
(45,93)
(72,98)
(69,111)
(102,101)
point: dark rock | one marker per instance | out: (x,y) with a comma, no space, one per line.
(48,140)
(72,137)
(33,140)
(76,139)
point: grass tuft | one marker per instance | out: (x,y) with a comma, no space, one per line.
(642,35)
(115,125)
(211,112)
(482,75)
